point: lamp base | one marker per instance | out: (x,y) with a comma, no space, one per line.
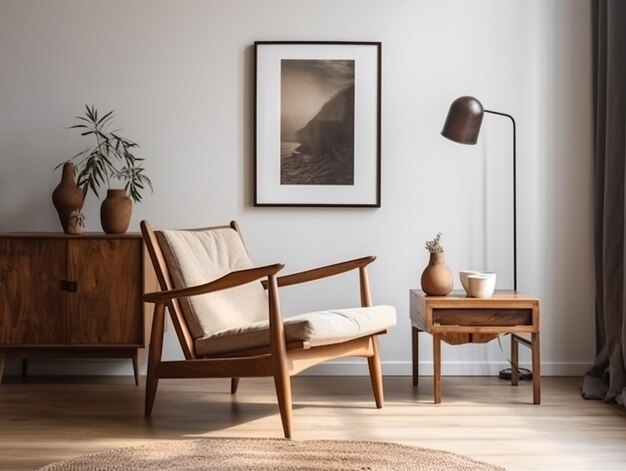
(524,374)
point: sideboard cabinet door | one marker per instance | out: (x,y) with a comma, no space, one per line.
(106,308)
(33,306)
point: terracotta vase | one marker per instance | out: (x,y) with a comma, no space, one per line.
(68,200)
(115,212)
(437,278)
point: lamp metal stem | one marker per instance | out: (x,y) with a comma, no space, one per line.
(514,196)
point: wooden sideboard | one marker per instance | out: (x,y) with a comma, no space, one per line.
(67,295)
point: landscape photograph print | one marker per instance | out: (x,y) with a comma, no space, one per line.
(317,122)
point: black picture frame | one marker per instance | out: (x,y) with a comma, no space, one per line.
(317,123)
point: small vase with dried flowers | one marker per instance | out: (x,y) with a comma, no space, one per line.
(436,278)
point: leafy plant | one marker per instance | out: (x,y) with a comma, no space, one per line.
(434,246)
(111,157)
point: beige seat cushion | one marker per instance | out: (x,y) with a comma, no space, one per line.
(316,328)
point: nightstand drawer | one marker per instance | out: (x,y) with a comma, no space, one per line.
(486,317)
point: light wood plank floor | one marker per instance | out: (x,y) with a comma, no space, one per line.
(44,420)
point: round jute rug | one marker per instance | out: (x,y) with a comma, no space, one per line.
(276,455)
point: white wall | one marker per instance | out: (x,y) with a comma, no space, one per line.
(179,76)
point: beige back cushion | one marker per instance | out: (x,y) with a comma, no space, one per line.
(197,257)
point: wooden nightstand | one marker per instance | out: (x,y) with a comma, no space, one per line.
(459,319)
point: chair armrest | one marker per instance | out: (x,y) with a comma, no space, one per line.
(322,272)
(230,280)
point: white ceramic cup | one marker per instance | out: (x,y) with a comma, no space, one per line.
(463,274)
(481,285)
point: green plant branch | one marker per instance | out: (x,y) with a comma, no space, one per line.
(109,158)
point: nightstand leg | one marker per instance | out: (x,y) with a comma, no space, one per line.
(437,367)
(514,361)
(536,369)
(416,355)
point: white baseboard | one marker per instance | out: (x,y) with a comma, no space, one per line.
(338,368)
(456,368)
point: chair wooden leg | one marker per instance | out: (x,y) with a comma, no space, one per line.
(376,375)
(282,381)
(24,368)
(234,384)
(154,356)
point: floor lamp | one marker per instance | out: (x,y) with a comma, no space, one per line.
(463,126)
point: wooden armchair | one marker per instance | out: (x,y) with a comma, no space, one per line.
(226,314)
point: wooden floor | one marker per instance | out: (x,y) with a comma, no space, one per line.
(44,420)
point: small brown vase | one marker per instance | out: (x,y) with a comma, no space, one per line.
(68,200)
(437,278)
(115,212)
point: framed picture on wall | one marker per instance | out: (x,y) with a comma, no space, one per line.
(317,123)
